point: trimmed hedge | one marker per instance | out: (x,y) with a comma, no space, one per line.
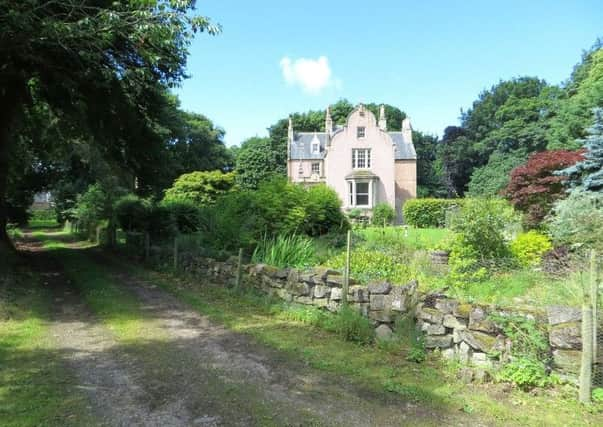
(424,213)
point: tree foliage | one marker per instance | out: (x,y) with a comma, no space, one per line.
(534,186)
(98,66)
(588,173)
(201,188)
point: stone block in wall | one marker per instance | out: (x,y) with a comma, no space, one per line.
(337,280)
(399,300)
(430,315)
(380,287)
(333,306)
(464,352)
(308,278)
(282,274)
(321,291)
(478,340)
(336,294)
(298,288)
(321,273)
(383,332)
(453,322)
(449,353)
(384,316)
(438,341)
(481,359)
(567,361)
(303,300)
(362,308)
(559,314)
(293,276)
(433,329)
(284,295)
(566,336)
(358,293)
(463,311)
(478,320)
(377,302)
(269,282)
(446,305)
(266,269)
(320,302)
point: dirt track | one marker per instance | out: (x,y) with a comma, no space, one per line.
(184,370)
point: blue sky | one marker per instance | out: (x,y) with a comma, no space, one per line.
(430,58)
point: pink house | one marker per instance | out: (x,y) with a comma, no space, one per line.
(361,160)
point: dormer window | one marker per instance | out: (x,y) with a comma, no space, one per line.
(360,131)
(315,148)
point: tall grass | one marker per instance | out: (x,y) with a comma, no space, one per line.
(285,251)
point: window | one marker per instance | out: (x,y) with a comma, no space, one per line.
(361,158)
(316,168)
(360,131)
(315,148)
(362,194)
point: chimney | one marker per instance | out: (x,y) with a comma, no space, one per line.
(382,119)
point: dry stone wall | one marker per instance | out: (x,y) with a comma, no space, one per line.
(460,331)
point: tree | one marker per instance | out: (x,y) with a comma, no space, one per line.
(257,161)
(588,173)
(202,188)
(97,65)
(534,187)
(490,179)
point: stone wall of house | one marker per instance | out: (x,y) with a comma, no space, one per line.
(460,331)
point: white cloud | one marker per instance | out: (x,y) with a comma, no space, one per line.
(312,75)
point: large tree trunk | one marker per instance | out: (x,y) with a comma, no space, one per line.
(12,95)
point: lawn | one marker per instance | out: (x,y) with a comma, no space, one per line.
(400,254)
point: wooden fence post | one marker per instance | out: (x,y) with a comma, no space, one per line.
(239,269)
(147,245)
(346,273)
(586,364)
(176,252)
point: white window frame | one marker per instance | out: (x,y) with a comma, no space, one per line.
(361,158)
(361,132)
(317,164)
(353,194)
(315,148)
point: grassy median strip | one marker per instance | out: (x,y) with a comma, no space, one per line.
(35,389)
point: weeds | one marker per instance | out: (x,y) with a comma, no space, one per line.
(285,251)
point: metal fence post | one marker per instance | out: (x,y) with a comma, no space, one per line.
(346,273)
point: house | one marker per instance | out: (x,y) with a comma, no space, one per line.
(363,162)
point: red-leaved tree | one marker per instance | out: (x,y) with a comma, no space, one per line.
(534,187)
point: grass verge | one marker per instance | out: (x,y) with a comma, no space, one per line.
(35,389)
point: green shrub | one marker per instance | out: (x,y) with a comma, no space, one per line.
(482,229)
(528,248)
(530,352)
(383,214)
(597,395)
(425,213)
(323,209)
(350,325)
(577,221)
(285,251)
(200,187)
(132,213)
(185,215)
(354,213)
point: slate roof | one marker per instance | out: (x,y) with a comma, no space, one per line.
(301,148)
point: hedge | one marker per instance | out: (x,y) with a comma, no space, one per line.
(428,212)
